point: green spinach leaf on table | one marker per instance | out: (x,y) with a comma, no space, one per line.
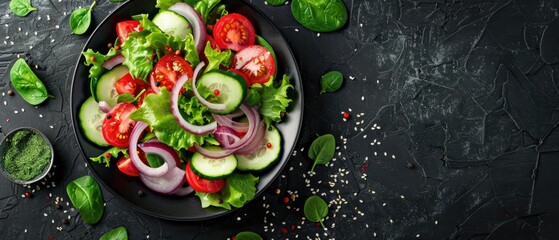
(331,81)
(276,2)
(27,84)
(322,150)
(86,196)
(247,235)
(80,19)
(118,233)
(315,209)
(21,7)
(320,15)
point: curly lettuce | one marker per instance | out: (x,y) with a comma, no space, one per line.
(240,189)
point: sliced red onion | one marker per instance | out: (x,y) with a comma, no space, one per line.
(104,106)
(113,61)
(227,121)
(211,106)
(175,93)
(195,20)
(256,142)
(166,184)
(163,150)
(183,191)
(133,152)
(225,136)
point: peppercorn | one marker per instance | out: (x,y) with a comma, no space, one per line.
(345,115)
(293,196)
(58,206)
(285,200)
(65,221)
(10,92)
(277,191)
(28,194)
(410,165)
(141,193)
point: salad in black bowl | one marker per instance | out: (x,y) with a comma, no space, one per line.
(197,104)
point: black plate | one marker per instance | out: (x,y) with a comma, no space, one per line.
(126,188)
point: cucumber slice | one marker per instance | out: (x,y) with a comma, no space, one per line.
(213,168)
(91,120)
(106,90)
(173,24)
(267,154)
(231,86)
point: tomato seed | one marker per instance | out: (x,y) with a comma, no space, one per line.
(216,93)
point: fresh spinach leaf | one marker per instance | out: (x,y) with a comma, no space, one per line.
(21,7)
(118,233)
(276,2)
(315,209)
(320,15)
(247,235)
(331,81)
(80,19)
(27,84)
(86,196)
(322,149)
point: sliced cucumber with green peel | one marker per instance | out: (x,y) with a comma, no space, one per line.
(173,24)
(213,168)
(91,120)
(106,90)
(265,156)
(230,87)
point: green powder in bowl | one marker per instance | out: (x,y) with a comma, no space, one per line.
(26,155)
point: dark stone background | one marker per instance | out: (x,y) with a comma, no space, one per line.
(466,91)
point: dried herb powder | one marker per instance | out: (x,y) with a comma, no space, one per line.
(26,155)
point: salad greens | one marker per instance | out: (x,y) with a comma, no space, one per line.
(274,100)
(209,10)
(27,84)
(240,188)
(320,15)
(21,7)
(111,153)
(86,196)
(315,209)
(246,235)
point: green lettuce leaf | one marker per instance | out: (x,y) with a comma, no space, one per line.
(96,60)
(146,23)
(156,111)
(111,153)
(274,100)
(138,53)
(240,189)
(159,41)
(190,48)
(217,58)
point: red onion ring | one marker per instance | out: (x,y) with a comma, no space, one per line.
(183,191)
(133,152)
(225,136)
(227,121)
(166,184)
(211,106)
(194,129)
(213,154)
(163,150)
(195,20)
(113,61)
(256,142)
(104,106)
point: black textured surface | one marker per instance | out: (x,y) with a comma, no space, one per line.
(466,91)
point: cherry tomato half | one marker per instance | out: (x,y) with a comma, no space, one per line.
(203,185)
(124,28)
(130,85)
(167,71)
(234,31)
(126,166)
(117,125)
(256,62)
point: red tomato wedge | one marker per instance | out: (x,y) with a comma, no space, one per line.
(126,166)
(117,125)
(130,85)
(234,31)
(124,28)
(168,70)
(256,62)
(203,185)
